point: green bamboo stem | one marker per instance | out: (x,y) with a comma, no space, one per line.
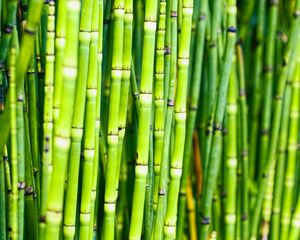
(139,16)
(98,156)
(244,143)
(60,43)
(192,110)
(163,178)
(31,214)
(213,76)
(268,84)
(21,166)
(180,120)
(141,167)
(113,122)
(3,198)
(134,89)
(9,23)
(7,171)
(149,213)
(48,116)
(78,119)
(62,132)
(33,121)
(230,175)
(255,108)
(289,178)
(295,226)
(89,128)
(125,82)
(13,217)
(276,119)
(159,98)
(214,162)
(167,57)
(281,162)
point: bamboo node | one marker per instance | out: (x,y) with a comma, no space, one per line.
(205,220)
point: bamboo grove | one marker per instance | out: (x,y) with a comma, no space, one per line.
(150,119)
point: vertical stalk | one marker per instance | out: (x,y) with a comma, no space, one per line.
(159,98)
(268,83)
(48,116)
(89,127)
(289,178)
(141,167)
(280,89)
(180,120)
(113,121)
(60,43)
(13,204)
(244,143)
(230,178)
(163,177)
(78,119)
(214,161)
(62,131)
(192,109)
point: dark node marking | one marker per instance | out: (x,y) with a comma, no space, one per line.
(21,185)
(24,7)
(170,103)
(273,2)
(173,14)
(208,132)
(193,108)
(8,191)
(46,149)
(265,131)
(284,62)
(8,28)
(296,14)
(29,31)
(242,92)
(167,50)
(5,158)
(162,192)
(244,153)
(35,171)
(244,217)
(231,29)
(212,45)
(202,17)
(218,128)
(28,191)
(47,138)
(278,97)
(20,99)
(257,42)
(265,175)
(182,193)
(268,69)
(205,220)
(223,194)
(43,219)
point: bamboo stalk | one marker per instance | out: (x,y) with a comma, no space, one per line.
(141,168)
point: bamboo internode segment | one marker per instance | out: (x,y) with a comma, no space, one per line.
(149,119)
